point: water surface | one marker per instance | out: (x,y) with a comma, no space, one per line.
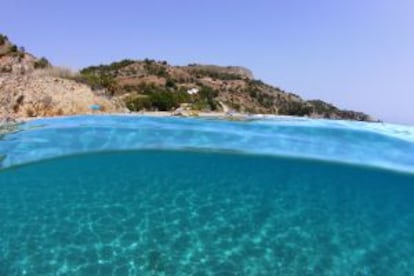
(217,209)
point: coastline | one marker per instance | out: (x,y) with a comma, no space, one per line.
(190,114)
(10,120)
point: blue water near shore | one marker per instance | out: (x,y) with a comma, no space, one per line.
(205,206)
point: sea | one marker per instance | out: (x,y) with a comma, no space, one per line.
(199,197)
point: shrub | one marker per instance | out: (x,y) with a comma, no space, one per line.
(170,83)
(3,39)
(13,49)
(206,98)
(138,103)
(154,68)
(100,81)
(296,109)
(256,82)
(103,76)
(164,101)
(106,69)
(215,74)
(156,98)
(6,69)
(182,96)
(322,107)
(208,92)
(149,61)
(253,93)
(41,63)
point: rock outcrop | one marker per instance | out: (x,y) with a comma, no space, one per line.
(32,95)
(31,87)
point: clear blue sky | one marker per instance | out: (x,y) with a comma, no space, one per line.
(357,54)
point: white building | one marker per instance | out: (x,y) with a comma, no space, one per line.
(193,91)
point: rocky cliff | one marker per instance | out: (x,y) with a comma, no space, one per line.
(31,87)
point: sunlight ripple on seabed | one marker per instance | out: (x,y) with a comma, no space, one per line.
(166,196)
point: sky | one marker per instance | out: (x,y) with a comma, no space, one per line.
(355,54)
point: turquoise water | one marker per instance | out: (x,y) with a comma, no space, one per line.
(373,144)
(206,204)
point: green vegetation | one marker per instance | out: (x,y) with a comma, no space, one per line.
(264,99)
(216,75)
(97,82)
(13,49)
(156,85)
(103,76)
(256,83)
(138,102)
(271,97)
(165,100)
(327,110)
(322,107)
(296,108)
(170,83)
(153,97)
(256,91)
(41,63)
(110,69)
(154,68)
(3,39)
(205,98)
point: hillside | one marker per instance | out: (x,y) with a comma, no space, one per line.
(30,86)
(140,84)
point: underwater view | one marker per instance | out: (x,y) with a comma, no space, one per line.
(128,195)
